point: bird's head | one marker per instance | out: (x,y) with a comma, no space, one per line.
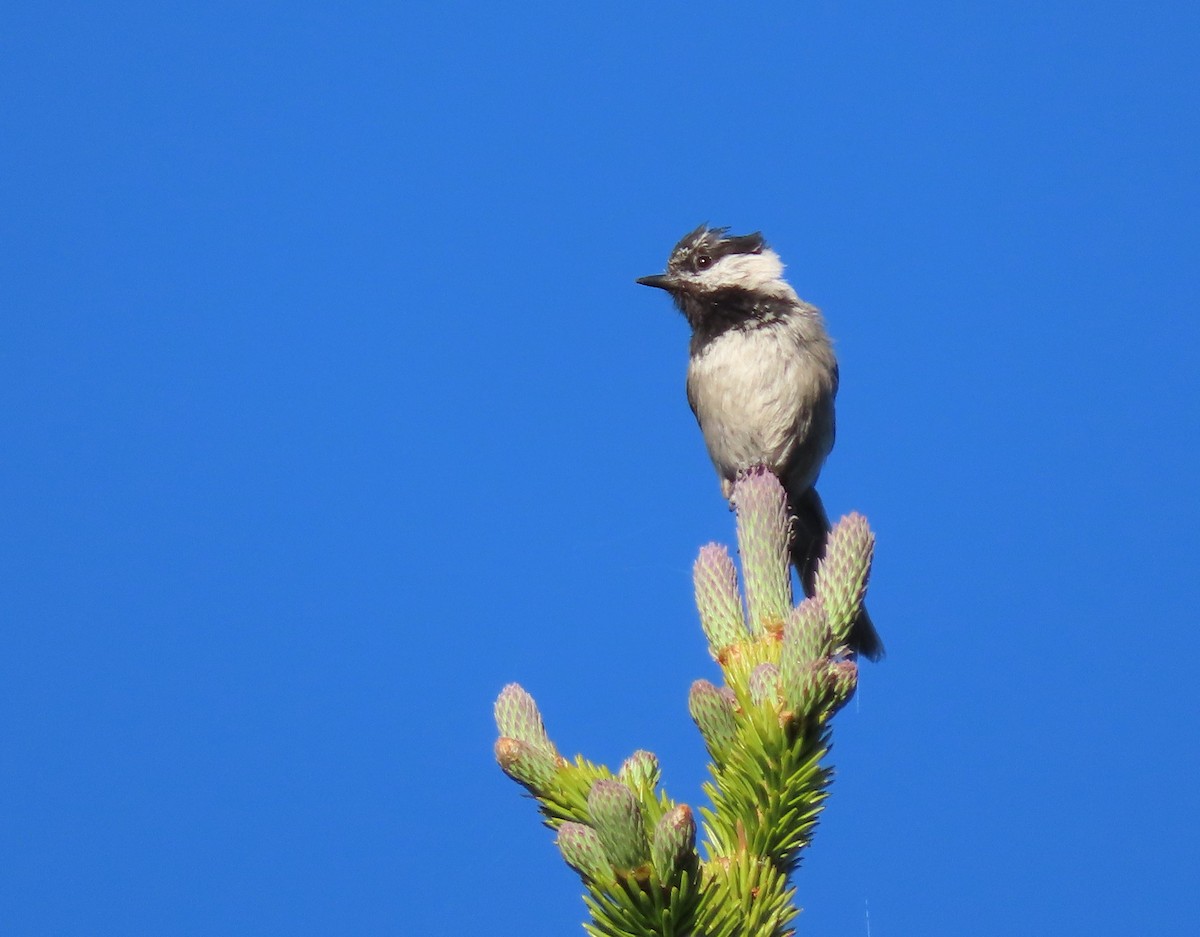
(709,261)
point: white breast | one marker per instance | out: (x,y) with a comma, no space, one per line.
(763,396)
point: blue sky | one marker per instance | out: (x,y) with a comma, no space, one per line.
(330,406)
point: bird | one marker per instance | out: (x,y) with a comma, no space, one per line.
(761,380)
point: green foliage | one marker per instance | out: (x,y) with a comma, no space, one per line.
(786,672)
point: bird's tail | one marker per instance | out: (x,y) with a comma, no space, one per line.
(810,530)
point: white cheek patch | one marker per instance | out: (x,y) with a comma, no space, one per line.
(745,271)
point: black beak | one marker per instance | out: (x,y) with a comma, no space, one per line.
(659,280)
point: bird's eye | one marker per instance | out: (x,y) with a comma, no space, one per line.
(703,261)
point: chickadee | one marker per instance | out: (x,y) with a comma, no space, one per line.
(761,380)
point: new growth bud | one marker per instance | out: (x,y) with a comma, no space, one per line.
(641,772)
(673,846)
(517,717)
(712,711)
(764,684)
(843,681)
(526,764)
(842,575)
(580,846)
(617,818)
(806,636)
(717,599)
(762,533)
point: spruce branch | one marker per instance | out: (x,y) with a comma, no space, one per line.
(786,672)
